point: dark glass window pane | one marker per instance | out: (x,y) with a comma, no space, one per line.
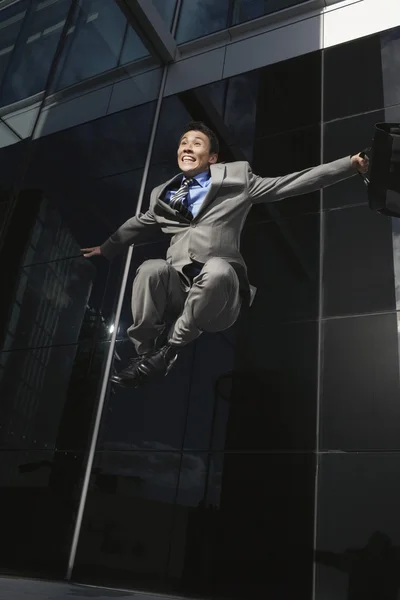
(128,424)
(11,21)
(200,18)
(99,189)
(273,360)
(353,78)
(360,407)
(250,533)
(166,9)
(129,515)
(390,51)
(29,67)
(48,304)
(39,497)
(357,554)
(44,390)
(133,47)
(289,95)
(358,262)
(283,154)
(245,10)
(95,43)
(287,278)
(209,407)
(240,111)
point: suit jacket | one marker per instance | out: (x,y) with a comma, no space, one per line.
(216,229)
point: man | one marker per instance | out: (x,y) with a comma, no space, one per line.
(203,281)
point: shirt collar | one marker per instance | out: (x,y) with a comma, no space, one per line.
(203,178)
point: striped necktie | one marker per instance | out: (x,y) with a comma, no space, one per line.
(177,200)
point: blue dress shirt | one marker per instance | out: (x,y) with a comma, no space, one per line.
(197,192)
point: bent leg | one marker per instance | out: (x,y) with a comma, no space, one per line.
(213,303)
(157,296)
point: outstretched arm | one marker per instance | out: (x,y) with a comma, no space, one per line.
(134,230)
(270,189)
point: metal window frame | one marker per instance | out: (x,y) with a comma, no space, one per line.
(145,19)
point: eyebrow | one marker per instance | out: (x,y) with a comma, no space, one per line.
(197,137)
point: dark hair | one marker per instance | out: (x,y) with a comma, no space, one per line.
(200,126)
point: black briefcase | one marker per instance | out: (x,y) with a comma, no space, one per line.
(383,180)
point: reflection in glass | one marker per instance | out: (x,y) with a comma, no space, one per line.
(133,47)
(166,9)
(42,304)
(360,407)
(201,17)
(48,395)
(345,89)
(128,419)
(241,111)
(245,10)
(209,402)
(94,44)
(33,50)
(39,493)
(358,262)
(358,545)
(279,84)
(11,21)
(251,532)
(128,517)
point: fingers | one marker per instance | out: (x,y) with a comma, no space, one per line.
(88,252)
(363,163)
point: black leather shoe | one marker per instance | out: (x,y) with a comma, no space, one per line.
(130,376)
(143,369)
(159,363)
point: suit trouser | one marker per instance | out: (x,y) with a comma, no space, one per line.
(159,299)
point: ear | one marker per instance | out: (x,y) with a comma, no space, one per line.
(213,159)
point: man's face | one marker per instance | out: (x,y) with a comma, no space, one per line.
(194,155)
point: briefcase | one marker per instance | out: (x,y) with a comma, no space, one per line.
(383,180)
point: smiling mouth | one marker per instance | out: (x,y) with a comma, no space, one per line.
(188,159)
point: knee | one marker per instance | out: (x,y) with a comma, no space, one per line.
(217,269)
(154,267)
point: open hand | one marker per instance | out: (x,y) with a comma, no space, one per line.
(89,252)
(361,164)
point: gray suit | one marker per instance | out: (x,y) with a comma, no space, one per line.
(211,301)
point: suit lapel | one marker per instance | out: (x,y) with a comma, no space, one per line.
(161,194)
(217,177)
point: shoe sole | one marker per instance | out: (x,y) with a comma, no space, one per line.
(148,373)
(122,384)
(171,364)
(145,374)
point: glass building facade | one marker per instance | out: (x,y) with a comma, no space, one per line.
(266,464)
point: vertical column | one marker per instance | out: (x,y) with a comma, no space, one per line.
(106,373)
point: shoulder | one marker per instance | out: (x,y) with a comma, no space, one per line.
(239,171)
(239,168)
(238,165)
